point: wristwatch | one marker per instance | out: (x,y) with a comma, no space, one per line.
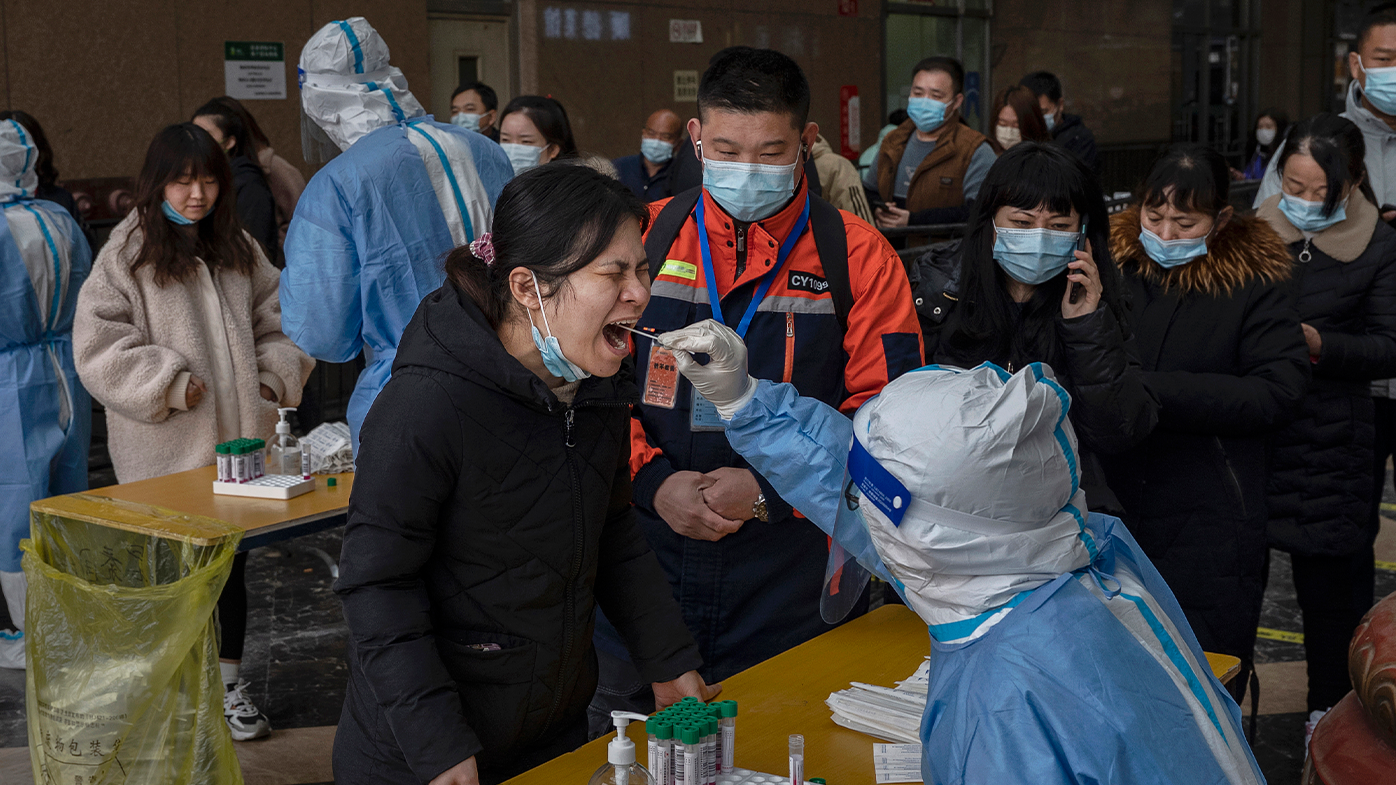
(759,511)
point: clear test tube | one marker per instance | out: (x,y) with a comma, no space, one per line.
(305,462)
(225,462)
(259,458)
(797,759)
(710,751)
(239,463)
(728,743)
(652,731)
(663,770)
(692,768)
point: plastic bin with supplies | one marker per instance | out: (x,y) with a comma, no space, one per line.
(123,682)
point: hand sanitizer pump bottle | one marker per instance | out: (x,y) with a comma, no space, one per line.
(621,768)
(284,452)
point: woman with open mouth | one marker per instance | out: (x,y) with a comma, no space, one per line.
(491,514)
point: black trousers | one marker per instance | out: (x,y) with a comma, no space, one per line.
(1334,592)
(232,611)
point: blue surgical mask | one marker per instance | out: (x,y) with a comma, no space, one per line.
(175,216)
(1171,253)
(553,358)
(749,192)
(927,113)
(656,151)
(1050,119)
(1380,87)
(467,120)
(1308,216)
(1034,256)
(522,156)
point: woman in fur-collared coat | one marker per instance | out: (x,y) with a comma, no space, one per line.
(1223,353)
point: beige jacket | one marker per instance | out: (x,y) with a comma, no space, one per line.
(839,180)
(286,183)
(135,345)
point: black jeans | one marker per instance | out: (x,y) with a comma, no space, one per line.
(1334,592)
(232,611)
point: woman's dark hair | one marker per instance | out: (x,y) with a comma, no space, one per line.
(48,174)
(230,124)
(988,327)
(550,119)
(1337,146)
(554,220)
(1191,177)
(177,151)
(1024,103)
(256,137)
(1281,120)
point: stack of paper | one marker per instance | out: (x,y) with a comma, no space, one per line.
(883,712)
(896,763)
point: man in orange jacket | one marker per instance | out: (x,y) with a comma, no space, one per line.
(822,301)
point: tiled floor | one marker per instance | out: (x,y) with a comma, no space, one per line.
(295,661)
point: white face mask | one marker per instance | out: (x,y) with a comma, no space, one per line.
(1007,136)
(1265,136)
(522,156)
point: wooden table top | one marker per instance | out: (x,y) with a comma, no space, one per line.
(786,694)
(191,492)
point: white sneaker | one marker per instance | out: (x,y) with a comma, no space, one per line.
(245,720)
(1314,717)
(11,649)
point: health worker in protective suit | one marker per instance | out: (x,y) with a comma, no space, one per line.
(1060,655)
(398,193)
(45,414)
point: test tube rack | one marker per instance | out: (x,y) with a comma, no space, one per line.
(268,486)
(746,777)
(241,473)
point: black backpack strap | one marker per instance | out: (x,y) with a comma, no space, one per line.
(666,227)
(831,239)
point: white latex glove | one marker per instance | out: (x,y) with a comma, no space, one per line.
(724,380)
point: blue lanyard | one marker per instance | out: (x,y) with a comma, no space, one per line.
(764,286)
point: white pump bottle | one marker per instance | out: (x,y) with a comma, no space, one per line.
(621,768)
(284,452)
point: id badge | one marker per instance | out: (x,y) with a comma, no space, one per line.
(662,381)
(703,417)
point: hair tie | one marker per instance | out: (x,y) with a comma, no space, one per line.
(483,248)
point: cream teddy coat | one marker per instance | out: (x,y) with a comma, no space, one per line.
(136,345)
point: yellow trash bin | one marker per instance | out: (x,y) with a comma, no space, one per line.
(122,644)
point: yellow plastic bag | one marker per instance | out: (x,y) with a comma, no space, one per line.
(122,644)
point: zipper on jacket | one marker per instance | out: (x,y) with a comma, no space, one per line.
(569,633)
(1305,255)
(741,250)
(1231,472)
(789,347)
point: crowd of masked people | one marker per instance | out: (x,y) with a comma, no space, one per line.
(548,524)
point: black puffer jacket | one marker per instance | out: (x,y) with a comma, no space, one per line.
(487,522)
(1110,408)
(1321,473)
(1223,353)
(1071,133)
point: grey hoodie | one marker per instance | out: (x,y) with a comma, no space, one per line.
(1381,172)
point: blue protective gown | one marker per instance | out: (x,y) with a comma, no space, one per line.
(365,245)
(1094,677)
(47,451)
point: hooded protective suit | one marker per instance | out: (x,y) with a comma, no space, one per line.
(370,231)
(1060,656)
(45,414)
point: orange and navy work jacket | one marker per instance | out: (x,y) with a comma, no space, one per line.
(794,335)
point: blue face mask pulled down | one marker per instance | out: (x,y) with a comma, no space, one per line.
(1380,88)
(467,120)
(175,216)
(1051,120)
(1034,256)
(1308,216)
(522,156)
(1172,253)
(656,151)
(553,359)
(749,192)
(927,113)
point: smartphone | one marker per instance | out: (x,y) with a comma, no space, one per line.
(1080,246)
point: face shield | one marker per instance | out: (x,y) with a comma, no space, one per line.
(961,490)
